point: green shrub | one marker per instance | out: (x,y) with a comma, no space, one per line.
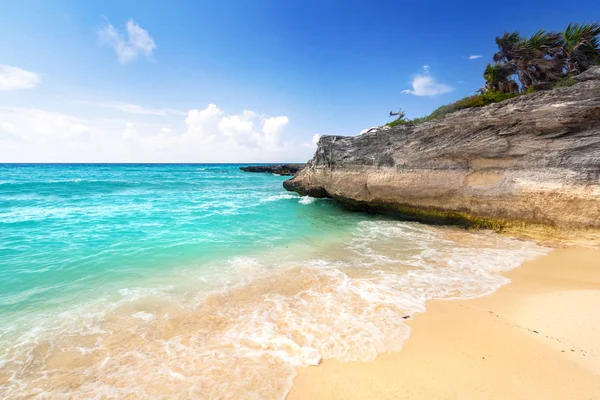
(397,122)
(479,100)
(415,121)
(565,81)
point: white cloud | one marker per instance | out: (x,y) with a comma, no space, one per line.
(316,138)
(237,126)
(133,108)
(204,135)
(238,136)
(135,41)
(13,78)
(273,126)
(270,136)
(32,124)
(203,124)
(313,143)
(425,85)
(475,57)
(248,129)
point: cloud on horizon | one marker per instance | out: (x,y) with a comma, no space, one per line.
(424,84)
(14,78)
(128,45)
(203,135)
(25,125)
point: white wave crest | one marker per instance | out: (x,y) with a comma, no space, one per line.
(306,200)
(277,197)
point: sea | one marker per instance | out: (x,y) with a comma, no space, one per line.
(143,281)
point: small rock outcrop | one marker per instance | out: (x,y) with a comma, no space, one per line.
(534,159)
(284,169)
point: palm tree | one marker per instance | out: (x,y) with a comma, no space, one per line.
(537,59)
(506,45)
(498,78)
(543,58)
(581,46)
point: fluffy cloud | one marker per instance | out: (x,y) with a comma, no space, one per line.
(204,135)
(475,57)
(13,78)
(269,137)
(248,129)
(238,127)
(425,85)
(128,45)
(203,124)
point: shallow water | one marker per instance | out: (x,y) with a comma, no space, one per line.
(201,281)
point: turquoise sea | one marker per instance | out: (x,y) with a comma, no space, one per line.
(202,281)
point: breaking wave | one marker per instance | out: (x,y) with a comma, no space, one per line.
(240,328)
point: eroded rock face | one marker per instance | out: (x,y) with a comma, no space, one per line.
(532,159)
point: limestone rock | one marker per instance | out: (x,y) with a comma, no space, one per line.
(531,159)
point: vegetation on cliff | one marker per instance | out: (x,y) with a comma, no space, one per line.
(478,100)
(532,161)
(522,65)
(542,59)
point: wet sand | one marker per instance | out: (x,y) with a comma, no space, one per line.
(536,338)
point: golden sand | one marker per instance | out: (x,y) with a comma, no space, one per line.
(535,338)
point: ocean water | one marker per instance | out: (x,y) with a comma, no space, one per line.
(202,281)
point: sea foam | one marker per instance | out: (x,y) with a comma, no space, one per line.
(167,282)
(262,317)
(306,200)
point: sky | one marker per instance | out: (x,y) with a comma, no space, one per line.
(237,81)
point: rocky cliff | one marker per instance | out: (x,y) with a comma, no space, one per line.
(534,159)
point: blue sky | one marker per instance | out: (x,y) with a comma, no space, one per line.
(236,81)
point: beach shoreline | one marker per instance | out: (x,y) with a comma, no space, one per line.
(533,338)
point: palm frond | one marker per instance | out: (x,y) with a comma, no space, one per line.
(581,46)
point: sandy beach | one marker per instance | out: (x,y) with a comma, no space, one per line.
(535,338)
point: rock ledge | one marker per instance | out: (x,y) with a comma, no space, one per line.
(284,169)
(534,159)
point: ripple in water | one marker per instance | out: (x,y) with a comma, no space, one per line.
(245,337)
(203,289)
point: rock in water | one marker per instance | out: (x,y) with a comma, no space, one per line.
(531,159)
(284,169)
